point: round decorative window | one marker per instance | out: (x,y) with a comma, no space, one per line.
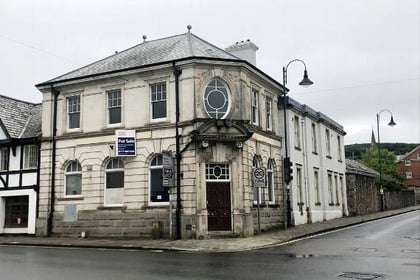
(216,99)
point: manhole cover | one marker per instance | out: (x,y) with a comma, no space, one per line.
(361,275)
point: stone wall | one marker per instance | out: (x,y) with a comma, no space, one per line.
(399,199)
(270,217)
(364,197)
(113,223)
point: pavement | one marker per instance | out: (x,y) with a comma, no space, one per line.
(267,239)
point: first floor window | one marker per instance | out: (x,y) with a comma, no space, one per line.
(269,114)
(217,99)
(254,106)
(73,177)
(30,156)
(337,190)
(4,158)
(114,183)
(408,175)
(158,192)
(73,111)
(114,106)
(158,100)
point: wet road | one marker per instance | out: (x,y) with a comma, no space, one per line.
(384,249)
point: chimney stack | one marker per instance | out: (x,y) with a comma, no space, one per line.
(245,50)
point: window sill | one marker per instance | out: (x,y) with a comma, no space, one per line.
(273,205)
(331,204)
(315,153)
(318,204)
(329,157)
(69,198)
(298,148)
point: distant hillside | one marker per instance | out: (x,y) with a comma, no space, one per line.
(355,151)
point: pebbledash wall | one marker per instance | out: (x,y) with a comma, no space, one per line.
(93,146)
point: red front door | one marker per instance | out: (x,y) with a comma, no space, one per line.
(219,206)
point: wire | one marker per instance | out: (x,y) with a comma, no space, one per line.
(39,49)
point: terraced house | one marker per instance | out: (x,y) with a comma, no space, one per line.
(20,135)
(174,123)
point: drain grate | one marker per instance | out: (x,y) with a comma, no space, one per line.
(361,275)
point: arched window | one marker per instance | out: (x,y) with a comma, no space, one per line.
(114,183)
(73,179)
(256,162)
(217,99)
(158,193)
(270,181)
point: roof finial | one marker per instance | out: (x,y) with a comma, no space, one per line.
(189,28)
(144,38)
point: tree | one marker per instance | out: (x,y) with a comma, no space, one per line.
(390,178)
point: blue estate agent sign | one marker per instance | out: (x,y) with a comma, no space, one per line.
(125,142)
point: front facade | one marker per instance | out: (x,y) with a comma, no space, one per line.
(409,168)
(316,147)
(111,130)
(20,127)
(227,126)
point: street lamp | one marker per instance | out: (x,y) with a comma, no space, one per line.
(391,124)
(287,164)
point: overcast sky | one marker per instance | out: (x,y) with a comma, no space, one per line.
(362,55)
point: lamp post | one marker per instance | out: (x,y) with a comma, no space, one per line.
(287,164)
(391,124)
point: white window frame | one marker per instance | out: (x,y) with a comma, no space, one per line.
(270,188)
(254,106)
(109,107)
(317,187)
(77,108)
(330,189)
(72,172)
(112,170)
(4,158)
(30,156)
(314,140)
(408,175)
(407,162)
(154,99)
(337,190)
(339,150)
(297,133)
(299,184)
(269,113)
(220,87)
(155,167)
(328,142)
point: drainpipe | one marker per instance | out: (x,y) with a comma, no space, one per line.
(55,92)
(177,73)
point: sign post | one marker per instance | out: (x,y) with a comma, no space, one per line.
(258,179)
(168,181)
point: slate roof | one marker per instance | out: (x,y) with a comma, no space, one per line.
(163,50)
(21,119)
(355,167)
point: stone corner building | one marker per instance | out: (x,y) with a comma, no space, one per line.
(150,89)
(109,127)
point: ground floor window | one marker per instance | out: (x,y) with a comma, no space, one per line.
(158,192)
(17,208)
(114,183)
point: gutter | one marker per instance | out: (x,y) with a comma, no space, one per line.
(56,93)
(177,73)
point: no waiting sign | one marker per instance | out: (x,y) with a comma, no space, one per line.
(258,177)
